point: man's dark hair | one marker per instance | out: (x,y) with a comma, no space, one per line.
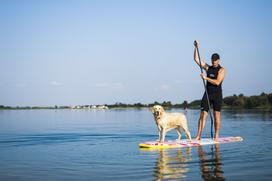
(215,56)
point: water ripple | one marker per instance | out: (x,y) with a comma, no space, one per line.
(59,138)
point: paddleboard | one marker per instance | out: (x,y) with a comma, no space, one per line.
(186,143)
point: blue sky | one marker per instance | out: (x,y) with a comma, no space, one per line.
(66,52)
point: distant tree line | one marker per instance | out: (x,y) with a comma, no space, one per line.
(242,102)
(166,104)
(263,101)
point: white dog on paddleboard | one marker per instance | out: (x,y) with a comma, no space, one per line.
(167,121)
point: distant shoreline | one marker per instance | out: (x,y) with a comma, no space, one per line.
(240,102)
(130,107)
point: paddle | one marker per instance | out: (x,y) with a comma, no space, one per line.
(206,92)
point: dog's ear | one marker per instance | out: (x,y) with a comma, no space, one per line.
(152,110)
(162,109)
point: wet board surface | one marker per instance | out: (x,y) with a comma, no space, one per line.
(186,143)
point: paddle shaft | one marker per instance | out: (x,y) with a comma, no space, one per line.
(206,91)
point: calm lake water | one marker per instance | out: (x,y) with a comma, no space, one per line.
(103,145)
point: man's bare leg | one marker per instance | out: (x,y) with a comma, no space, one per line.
(201,124)
(217,124)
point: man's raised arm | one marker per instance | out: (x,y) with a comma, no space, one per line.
(196,57)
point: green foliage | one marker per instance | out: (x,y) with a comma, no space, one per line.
(195,104)
(269,97)
(167,104)
(242,102)
(261,101)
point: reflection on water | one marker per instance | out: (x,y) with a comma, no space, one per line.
(172,165)
(210,164)
(248,114)
(175,163)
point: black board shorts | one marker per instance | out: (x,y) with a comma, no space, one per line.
(215,102)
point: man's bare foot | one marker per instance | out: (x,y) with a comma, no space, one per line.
(216,139)
(197,138)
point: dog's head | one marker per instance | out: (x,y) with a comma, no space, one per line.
(157,110)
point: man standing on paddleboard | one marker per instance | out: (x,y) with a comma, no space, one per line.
(214,77)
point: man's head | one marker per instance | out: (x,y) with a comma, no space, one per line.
(215,59)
